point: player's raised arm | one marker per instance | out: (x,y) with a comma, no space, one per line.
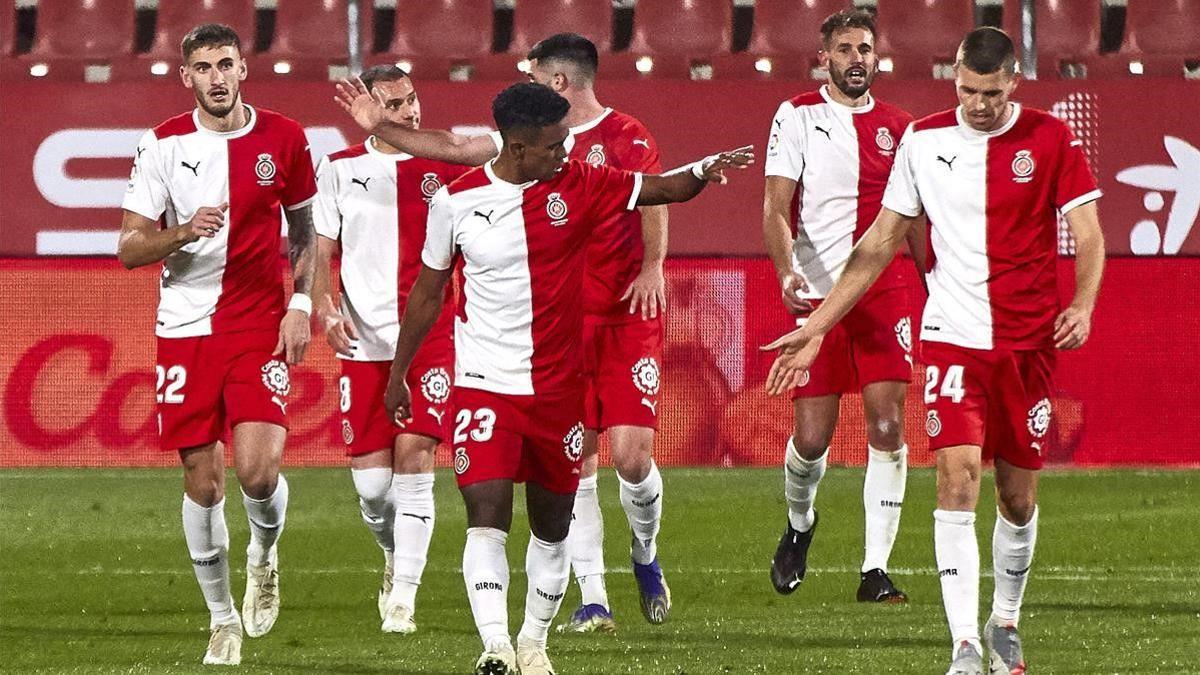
(687,181)
(370,113)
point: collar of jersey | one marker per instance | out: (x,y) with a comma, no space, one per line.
(491,174)
(236,133)
(853,111)
(1012,119)
(386,158)
(591,124)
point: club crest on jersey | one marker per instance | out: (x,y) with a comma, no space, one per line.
(556,208)
(429,185)
(646,375)
(883,139)
(904,334)
(573,442)
(435,385)
(1023,166)
(461,461)
(933,424)
(275,377)
(347,432)
(595,156)
(264,168)
(1039,418)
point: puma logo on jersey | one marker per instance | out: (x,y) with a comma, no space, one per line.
(361,181)
(948,162)
(487,216)
(194,167)
(642,142)
(824,131)
(141,150)
(437,415)
(652,405)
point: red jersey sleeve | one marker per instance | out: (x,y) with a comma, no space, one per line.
(636,150)
(300,183)
(1074,182)
(610,191)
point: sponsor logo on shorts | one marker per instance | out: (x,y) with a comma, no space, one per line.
(904,334)
(461,461)
(435,385)
(646,376)
(573,442)
(436,414)
(652,405)
(933,424)
(347,432)
(1038,420)
(275,377)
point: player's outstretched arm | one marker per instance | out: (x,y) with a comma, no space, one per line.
(777,233)
(295,331)
(687,181)
(870,256)
(142,242)
(1074,324)
(422,310)
(369,112)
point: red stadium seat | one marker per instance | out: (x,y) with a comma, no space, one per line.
(1067,35)
(78,37)
(788,33)
(679,34)
(310,36)
(177,17)
(439,38)
(918,36)
(537,19)
(1163,34)
(8,26)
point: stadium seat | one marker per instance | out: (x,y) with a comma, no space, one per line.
(443,39)
(920,37)
(1067,37)
(537,19)
(787,33)
(177,17)
(78,39)
(1163,35)
(8,26)
(310,37)
(681,37)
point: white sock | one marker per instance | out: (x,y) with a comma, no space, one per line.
(266,518)
(414,528)
(1012,555)
(208,545)
(800,480)
(957,554)
(374,487)
(643,509)
(549,571)
(485,570)
(585,543)
(883,495)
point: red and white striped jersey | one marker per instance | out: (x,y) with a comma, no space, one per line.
(841,158)
(992,200)
(523,249)
(233,281)
(376,205)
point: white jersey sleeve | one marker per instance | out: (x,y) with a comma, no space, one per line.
(326,215)
(787,144)
(902,195)
(147,193)
(439,232)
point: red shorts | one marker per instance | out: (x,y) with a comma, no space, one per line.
(205,383)
(536,439)
(872,343)
(622,368)
(997,400)
(366,426)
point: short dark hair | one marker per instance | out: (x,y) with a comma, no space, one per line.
(847,18)
(987,50)
(570,47)
(210,35)
(526,105)
(384,72)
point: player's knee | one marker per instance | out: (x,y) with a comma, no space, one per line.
(958,489)
(374,498)
(632,462)
(259,485)
(885,434)
(1017,507)
(809,445)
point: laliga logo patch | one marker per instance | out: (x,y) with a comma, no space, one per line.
(347,432)
(1023,166)
(595,156)
(429,185)
(883,139)
(646,376)
(275,377)
(773,143)
(904,334)
(933,424)
(435,385)
(556,208)
(461,461)
(265,169)
(573,442)
(1039,418)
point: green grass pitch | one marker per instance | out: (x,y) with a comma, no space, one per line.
(94,577)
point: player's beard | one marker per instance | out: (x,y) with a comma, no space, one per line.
(853,91)
(218,109)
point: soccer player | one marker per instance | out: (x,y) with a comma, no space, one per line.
(520,223)
(219,174)
(624,296)
(992,177)
(373,200)
(837,144)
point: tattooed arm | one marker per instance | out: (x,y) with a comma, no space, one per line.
(294,331)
